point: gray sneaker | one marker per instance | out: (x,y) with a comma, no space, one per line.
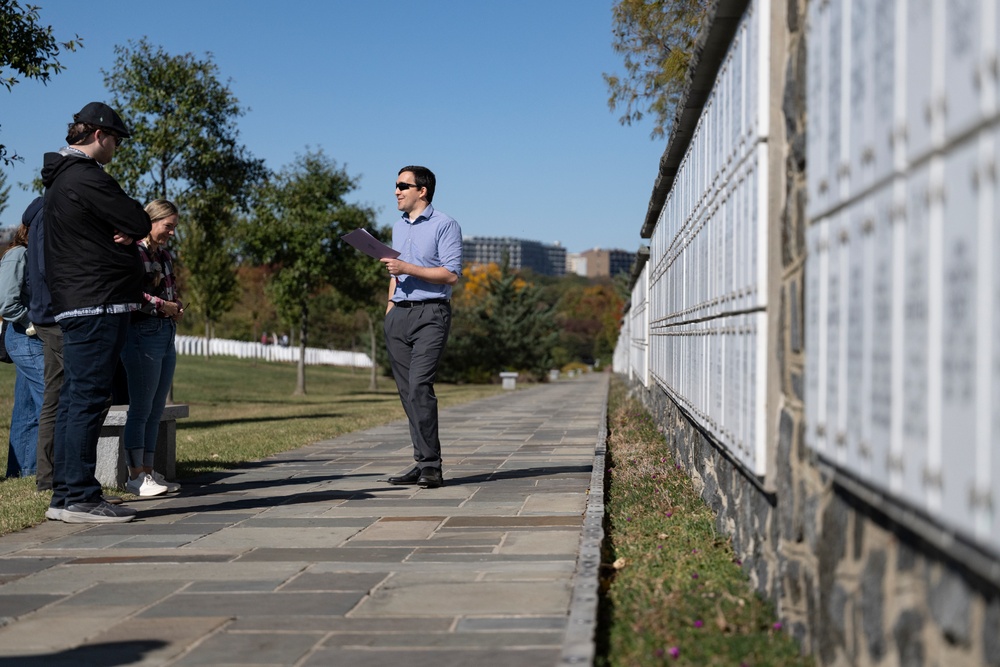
(54,514)
(101,512)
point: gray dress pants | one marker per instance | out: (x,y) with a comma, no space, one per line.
(415,337)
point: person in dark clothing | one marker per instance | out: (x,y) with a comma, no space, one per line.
(48,332)
(94,275)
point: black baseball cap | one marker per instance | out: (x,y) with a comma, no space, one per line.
(101,115)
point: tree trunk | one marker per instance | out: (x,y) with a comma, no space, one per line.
(373,380)
(300,388)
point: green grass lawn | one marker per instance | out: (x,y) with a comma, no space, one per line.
(673,591)
(241,410)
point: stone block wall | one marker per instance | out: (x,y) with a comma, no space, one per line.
(856,578)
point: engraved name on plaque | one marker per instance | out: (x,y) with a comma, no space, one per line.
(915,336)
(959,292)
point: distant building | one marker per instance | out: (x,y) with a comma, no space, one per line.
(576,263)
(598,263)
(549,260)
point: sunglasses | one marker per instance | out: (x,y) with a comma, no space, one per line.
(118,140)
(403,187)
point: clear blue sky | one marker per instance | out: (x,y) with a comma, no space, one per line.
(503,100)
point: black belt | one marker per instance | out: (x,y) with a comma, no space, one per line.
(411,304)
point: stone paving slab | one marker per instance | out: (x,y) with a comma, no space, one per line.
(310,558)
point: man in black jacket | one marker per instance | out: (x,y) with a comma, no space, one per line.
(94,275)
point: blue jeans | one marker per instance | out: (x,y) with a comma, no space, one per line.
(150,358)
(91,347)
(29,391)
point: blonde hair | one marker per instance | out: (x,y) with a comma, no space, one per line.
(158,209)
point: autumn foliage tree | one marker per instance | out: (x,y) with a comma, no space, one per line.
(501,322)
(589,318)
(656,39)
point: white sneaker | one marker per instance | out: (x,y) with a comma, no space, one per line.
(172,487)
(144,485)
(54,514)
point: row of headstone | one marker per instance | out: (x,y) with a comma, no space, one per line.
(195,345)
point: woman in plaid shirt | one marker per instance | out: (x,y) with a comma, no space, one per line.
(149,355)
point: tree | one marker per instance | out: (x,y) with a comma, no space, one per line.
(296,227)
(367,292)
(27,49)
(4,192)
(185,147)
(210,266)
(589,318)
(501,322)
(656,37)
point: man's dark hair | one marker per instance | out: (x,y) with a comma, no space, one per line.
(76,133)
(424,178)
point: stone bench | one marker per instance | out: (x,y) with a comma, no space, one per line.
(111,466)
(508,380)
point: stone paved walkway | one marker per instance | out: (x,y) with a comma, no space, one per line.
(310,558)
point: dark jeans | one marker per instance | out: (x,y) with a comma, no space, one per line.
(91,347)
(415,339)
(51,337)
(149,358)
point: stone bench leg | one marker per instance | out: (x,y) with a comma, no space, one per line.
(112,470)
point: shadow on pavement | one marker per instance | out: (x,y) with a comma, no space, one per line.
(106,655)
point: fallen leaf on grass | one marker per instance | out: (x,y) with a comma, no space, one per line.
(619,564)
(720,618)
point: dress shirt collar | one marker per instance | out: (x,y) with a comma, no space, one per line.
(425,215)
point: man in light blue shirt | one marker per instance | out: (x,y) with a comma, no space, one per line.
(418,315)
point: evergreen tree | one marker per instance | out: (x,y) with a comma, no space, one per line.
(511,328)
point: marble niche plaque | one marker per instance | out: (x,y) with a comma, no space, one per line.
(916,313)
(956,450)
(884,84)
(856,414)
(921,52)
(834,316)
(961,51)
(860,94)
(815,333)
(817,109)
(879,427)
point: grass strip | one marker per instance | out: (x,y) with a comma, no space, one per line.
(673,591)
(241,410)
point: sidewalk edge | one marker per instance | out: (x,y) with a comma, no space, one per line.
(579,643)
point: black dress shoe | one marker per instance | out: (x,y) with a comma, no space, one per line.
(430,478)
(409,477)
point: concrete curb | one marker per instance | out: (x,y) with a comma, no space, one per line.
(579,645)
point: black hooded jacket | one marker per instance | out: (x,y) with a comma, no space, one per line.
(40,303)
(84,208)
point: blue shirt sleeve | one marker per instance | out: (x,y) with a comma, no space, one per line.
(450,247)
